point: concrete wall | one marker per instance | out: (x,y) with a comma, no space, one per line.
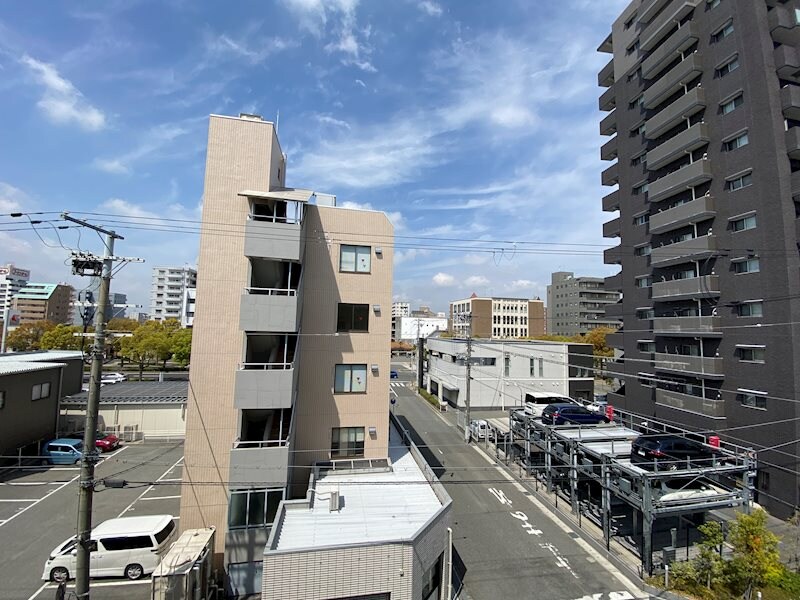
(147,420)
(24,421)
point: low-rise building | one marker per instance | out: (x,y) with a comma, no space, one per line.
(503,372)
(44,302)
(576,305)
(497,318)
(410,329)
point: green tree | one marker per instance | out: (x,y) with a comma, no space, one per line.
(755,553)
(597,338)
(124,325)
(28,336)
(182,346)
(61,337)
(708,565)
(150,342)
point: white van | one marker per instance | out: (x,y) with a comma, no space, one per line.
(535,402)
(126,547)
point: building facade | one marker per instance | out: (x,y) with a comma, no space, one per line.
(503,372)
(44,302)
(576,305)
(703,102)
(410,329)
(12,280)
(498,318)
(401,309)
(290,352)
(189,301)
(168,292)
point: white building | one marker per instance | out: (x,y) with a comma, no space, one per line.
(189,300)
(401,309)
(410,329)
(168,292)
(503,372)
(12,280)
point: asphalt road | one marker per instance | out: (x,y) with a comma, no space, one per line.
(511,544)
(38,509)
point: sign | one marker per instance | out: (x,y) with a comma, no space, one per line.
(15,272)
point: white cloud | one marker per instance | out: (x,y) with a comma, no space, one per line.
(520,284)
(329,120)
(476,280)
(11,198)
(151,143)
(222,47)
(430,8)
(62,102)
(361,83)
(443,280)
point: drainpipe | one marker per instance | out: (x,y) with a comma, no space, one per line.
(449,593)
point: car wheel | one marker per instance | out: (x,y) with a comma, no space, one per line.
(134,571)
(77,462)
(45,462)
(59,574)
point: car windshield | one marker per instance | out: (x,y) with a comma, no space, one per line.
(164,533)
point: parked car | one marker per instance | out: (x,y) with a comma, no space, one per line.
(62,451)
(477,429)
(113,377)
(676,490)
(105,442)
(393,374)
(535,402)
(126,547)
(597,406)
(668,451)
(565,413)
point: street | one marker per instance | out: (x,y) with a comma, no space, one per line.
(510,543)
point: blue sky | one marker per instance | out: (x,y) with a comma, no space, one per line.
(473,124)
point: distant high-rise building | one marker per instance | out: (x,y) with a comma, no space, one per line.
(12,280)
(499,318)
(575,305)
(168,292)
(44,302)
(189,301)
(401,309)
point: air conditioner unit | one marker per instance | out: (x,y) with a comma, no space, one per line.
(334,501)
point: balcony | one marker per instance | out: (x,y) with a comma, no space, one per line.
(608,100)
(663,23)
(674,254)
(687,105)
(703,366)
(687,326)
(269,309)
(267,239)
(783,26)
(605,78)
(608,126)
(608,151)
(611,229)
(613,256)
(793,142)
(790,102)
(787,62)
(672,81)
(684,289)
(678,42)
(680,180)
(649,9)
(693,138)
(614,311)
(695,404)
(263,387)
(610,176)
(257,462)
(611,201)
(684,214)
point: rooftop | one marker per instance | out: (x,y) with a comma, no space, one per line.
(9,367)
(36,291)
(43,355)
(137,392)
(375,506)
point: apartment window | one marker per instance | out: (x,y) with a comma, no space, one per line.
(2,399)
(644,282)
(728,67)
(253,508)
(732,104)
(40,391)
(645,313)
(746,265)
(750,309)
(721,34)
(629,22)
(643,250)
(352,317)
(347,442)
(431,579)
(641,189)
(735,143)
(532,362)
(752,353)
(646,347)
(647,380)
(740,182)
(752,398)
(350,379)
(744,223)
(507,366)
(638,130)
(641,219)
(639,160)
(713,4)
(355,259)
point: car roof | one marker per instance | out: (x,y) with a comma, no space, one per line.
(561,405)
(66,441)
(132,525)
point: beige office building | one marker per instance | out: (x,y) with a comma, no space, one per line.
(290,355)
(498,318)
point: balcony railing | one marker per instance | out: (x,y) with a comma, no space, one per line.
(787,62)
(703,366)
(663,23)
(678,181)
(605,77)
(615,310)
(614,283)
(793,142)
(258,291)
(684,214)
(612,228)
(261,387)
(684,289)
(269,310)
(790,101)
(679,252)
(611,201)
(610,175)
(608,151)
(271,366)
(266,465)
(669,83)
(687,34)
(688,402)
(649,9)
(693,138)
(608,126)
(706,325)
(613,256)
(783,26)
(277,238)
(687,105)
(259,443)
(608,100)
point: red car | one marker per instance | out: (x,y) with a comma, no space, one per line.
(107,443)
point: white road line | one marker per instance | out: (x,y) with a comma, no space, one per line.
(33,483)
(95,584)
(62,486)
(150,487)
(39,591)
(18,499)
(175,479)
(160,498)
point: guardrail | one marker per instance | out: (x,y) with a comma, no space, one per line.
(258,291)
(277,366)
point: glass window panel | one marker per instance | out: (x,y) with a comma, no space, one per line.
(347,258)
(342,379)
(363,254)
(255,508)
(358,378)
(360,317)
(237,512)
(274,498)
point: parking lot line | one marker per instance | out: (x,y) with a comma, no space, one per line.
(161,498)
(39,591)
(99,584)
(150,487)
(173,479)
(32,483)
(18,499)
(45,497)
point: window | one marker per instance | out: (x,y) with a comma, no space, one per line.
(2,399)
(647,347)
(752,354)
(431,579)
(744,223)
(350,379)
(355,259)
(541,367)
(347,442)
(164,533)
(728,67)
(735,143)
(532,366)
(747,265)
(645,313)
(632,48)
(507,365)
(352,317)
(750,309)
(643,250)
(40,391)
(721,34)
(740,182)
(732,104)
(644,282)
(127,543)
(641,189)
(639,160)
(638,130)
(253,508)
(641,219)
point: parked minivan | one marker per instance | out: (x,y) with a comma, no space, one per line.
(535,402)
(62,451)
(126,547)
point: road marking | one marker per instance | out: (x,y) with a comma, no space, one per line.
(32,504)
(160,498)
(39,591)
(95,584)
(174,479)
(561,560)
(150,487)
(19,500)
(33,483)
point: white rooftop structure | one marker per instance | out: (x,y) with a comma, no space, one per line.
(55,355)
(14,367)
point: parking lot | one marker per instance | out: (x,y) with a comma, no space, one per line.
(38,508)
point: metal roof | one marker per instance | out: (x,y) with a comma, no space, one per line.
(43,355)
(36,291)
(377,506)
(9,367)
(137,392)
(184,552)
(296,194)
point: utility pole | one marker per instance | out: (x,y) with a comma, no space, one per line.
(468,318)
(84,265)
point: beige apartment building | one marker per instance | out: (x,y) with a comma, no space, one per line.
(290,356)
(44,302)
(499,318)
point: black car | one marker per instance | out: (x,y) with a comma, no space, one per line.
(673,452)
(566,413)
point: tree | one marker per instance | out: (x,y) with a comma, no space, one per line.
(123,325)
(146,345)
(708,565)
(755,552)
(793,541)
(28,336)
(61,337)
(182,346)
(597,338)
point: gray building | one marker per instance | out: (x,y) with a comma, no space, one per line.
(703,100)
(168,292)
(576,305)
